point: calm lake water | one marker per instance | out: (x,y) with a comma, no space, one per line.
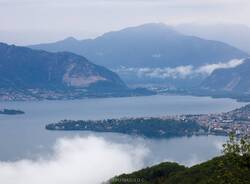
(24,136)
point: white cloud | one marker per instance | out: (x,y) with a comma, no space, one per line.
(88,160)
(93,159)
(209,68)
(180,72)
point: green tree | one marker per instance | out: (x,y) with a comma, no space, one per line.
(236,146)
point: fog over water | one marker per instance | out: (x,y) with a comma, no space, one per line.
(30,154)
(77,160)
(94,159)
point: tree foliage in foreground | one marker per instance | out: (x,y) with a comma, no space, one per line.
(231,168)
(237,147)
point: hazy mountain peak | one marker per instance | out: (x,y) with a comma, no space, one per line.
(149,45)
(149,29)
(70,39)
(152,27)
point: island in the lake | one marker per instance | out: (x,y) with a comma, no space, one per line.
(237,121)
(148,127)
(10,112)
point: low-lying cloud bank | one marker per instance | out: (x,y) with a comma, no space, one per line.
(180,72)
(94,159)
(89,160)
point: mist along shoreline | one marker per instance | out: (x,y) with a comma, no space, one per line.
(236,121)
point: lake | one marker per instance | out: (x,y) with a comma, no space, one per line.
(30,153)
(24,136)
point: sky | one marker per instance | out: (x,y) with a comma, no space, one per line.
(26,22)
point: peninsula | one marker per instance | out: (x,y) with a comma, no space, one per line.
(237,121)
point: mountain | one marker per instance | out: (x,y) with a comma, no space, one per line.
(149,45)
(27,73)
(237,35)
(219,170)
(150,53)
(232,81)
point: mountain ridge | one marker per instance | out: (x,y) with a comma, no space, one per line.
(136,46)
(237,35)
(28,74)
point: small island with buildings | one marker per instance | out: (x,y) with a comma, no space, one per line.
(236,121)
(10,112)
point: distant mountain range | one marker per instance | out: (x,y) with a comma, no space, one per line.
(28,74)
(149,45)
(150,54)
(236,35)
(233,80)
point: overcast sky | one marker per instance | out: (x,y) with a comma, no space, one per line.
(33,21)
